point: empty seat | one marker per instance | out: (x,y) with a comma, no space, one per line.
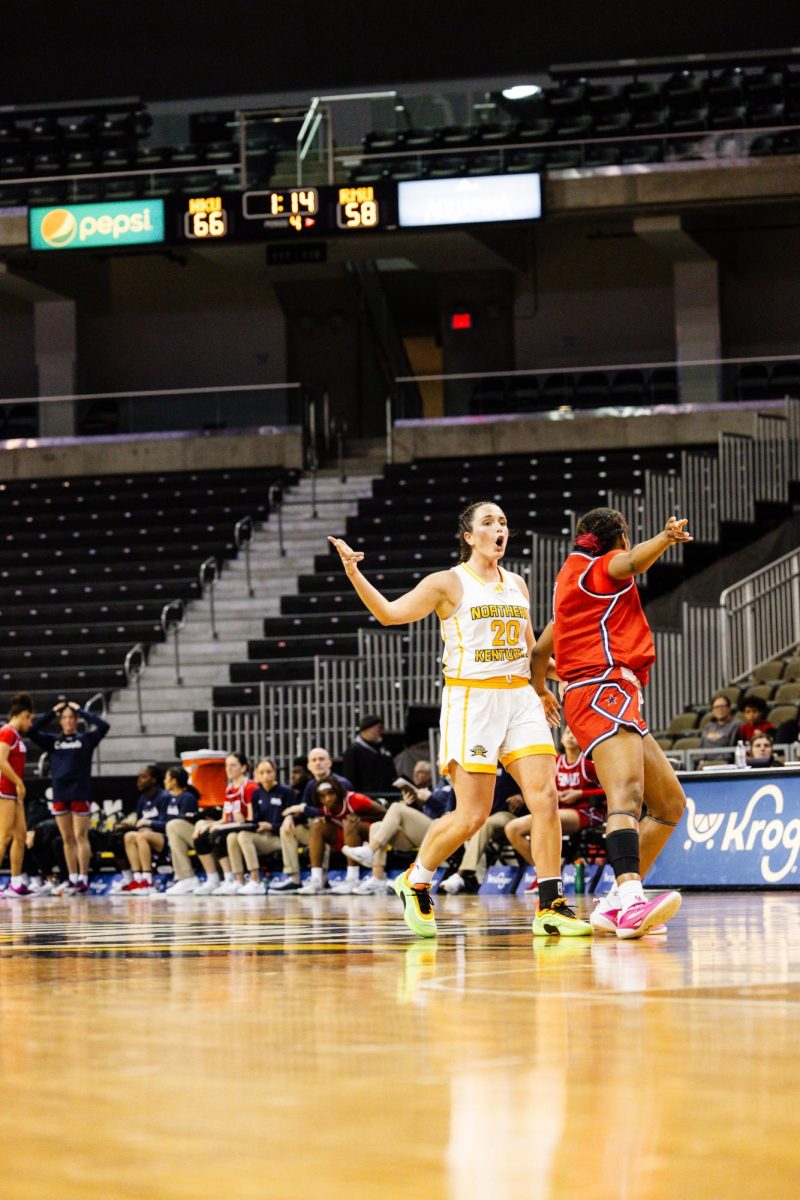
(779,713)
(787,693)
(686,743)
(682,723)
(768,672)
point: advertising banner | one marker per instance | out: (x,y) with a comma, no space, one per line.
(86,226)
(742,830)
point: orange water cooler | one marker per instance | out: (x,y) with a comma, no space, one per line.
(207,773)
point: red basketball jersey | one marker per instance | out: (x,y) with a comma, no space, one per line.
(578,776)
(598,622)
(16,759)
(237,799)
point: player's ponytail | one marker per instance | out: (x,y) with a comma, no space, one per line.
(600,530)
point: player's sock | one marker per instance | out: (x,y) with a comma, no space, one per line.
(550,890)
(213,878)
(630,893)
(137,877)
(229,876)
(353,873)
(16,881)
(147,876)
(73,878)
(316,875)
(127,877)
(419,874)
(83,879)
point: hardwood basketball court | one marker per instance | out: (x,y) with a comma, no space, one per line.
(310,1047)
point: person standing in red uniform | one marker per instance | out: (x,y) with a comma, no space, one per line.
(603,654)
(12,789)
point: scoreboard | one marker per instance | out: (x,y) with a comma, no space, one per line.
(292,212)
(288,213)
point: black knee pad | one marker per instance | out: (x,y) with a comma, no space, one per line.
(622,848)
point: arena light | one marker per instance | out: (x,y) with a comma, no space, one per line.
(522,91)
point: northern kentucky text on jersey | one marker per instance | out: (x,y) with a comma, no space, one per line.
(479,611)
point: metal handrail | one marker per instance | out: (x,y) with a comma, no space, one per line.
(242,535)
(345,156)
(208,575)
(276,501)
(608,368)
(134,665)
(173,619)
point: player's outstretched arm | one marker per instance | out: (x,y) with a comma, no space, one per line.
(641,557)
(434,593)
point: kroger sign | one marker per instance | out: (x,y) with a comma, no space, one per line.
(742,831)
(84,226)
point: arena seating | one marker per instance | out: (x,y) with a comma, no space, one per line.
(73,141)
(407,531)
(607,120)
(624,388)
(87,564)
(777,682)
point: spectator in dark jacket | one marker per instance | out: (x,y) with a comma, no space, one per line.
(270,801)
(151,806)
(150,837)
(367,762)
(71,753)
(44,847)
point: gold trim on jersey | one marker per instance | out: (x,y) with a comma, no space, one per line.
(484,582)
(464,726)
(528,752)
(460,643)
(496,682)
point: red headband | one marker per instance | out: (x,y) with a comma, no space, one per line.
(589,541)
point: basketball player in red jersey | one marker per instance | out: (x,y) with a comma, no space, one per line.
(603,652)
(12,789)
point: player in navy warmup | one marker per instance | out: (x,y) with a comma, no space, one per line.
(71,753)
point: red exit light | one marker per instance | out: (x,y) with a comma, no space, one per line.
(462,320)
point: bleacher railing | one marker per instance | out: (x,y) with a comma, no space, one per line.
(288,717)
(759,617)
(158,410)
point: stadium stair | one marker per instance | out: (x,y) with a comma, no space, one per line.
(168,708)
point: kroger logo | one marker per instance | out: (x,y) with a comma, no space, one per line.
(87,225)
(759,828)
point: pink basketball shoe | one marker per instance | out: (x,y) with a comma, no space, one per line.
(640,919)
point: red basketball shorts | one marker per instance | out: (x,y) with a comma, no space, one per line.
(597,709)
(81,807)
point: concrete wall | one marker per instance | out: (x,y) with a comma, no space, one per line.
(465,436)
(595,294)
(114,456)
(167,325)
(17,359)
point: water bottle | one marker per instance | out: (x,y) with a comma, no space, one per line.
(740,756)
(579,877)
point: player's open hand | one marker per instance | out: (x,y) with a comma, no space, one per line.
(676,530)
(350,558)
(552,709)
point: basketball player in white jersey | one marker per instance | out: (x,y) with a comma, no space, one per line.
(489,710)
